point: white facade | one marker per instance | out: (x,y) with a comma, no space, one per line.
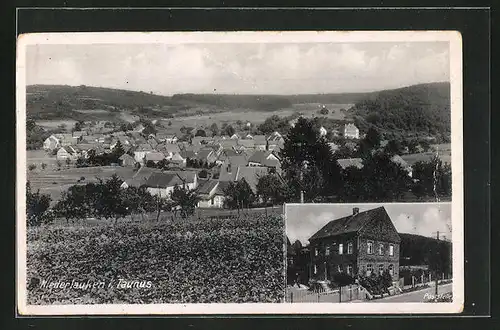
(167,191)
(351,131)
(51,143)
(216,201)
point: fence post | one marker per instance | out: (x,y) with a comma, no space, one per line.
(291,297)
(318,295)
(412,281)
(350,292)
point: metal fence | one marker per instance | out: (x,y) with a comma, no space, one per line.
(347,294)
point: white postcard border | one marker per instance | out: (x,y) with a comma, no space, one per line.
(453,37)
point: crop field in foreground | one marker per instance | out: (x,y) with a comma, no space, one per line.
(186,261)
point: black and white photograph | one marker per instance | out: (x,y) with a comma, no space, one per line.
(171,173)
(395,253)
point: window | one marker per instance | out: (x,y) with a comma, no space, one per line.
(341,248)
(349,248)
(349,269)
(316,252)
(290,261)
(391,270)
(315,269)
(370,247)
(212,201)
(381,249)
(327,251)
(339,268)
(380,269)
(391,249)
(369,269)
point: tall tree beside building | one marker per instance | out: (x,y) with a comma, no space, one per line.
(185,199)
(271,188)
(238,195)
(432,178)
(308,161)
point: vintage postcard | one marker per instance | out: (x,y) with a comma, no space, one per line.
(239,173)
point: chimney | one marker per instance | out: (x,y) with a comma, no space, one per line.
(355,210)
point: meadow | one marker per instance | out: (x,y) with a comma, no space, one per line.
(255,117)
(53,182)
(185,261)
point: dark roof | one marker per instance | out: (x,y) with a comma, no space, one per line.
(204,153)
(259,156)
(164,180)
(188,154)
(251,175)
(206,186)
(348,224)
(235,161)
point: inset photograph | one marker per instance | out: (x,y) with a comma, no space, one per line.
(397,252)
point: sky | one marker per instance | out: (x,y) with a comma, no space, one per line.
(425,219)
(245,68)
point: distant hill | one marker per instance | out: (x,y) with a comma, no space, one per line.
(228,102)
(422,109)
(83,102)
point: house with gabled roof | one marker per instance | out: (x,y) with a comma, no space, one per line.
(247,144)
(178,159)
(162,184)
(127,161)
(250,174)
(264,158)
(360,243)
(51,143)
(211,193)
(350,162)
(67,152)
(207,155)
(141,151)
(154,157)
(351,131)
(168,149)
(230,166)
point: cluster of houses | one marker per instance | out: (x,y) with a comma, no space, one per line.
(234,157)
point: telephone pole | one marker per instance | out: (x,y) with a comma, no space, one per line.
(437,263)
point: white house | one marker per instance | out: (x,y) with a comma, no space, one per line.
(141,152)
(67,152)
(162,184)
(51,143)
(351,131)
(211,193)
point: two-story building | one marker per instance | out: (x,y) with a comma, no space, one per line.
(361,243)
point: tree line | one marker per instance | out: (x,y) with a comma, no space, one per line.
(107,199)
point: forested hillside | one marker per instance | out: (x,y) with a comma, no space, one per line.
(422,109)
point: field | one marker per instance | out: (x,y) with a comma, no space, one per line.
(183,261)
(256,117)
(53,182)
(53,124)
